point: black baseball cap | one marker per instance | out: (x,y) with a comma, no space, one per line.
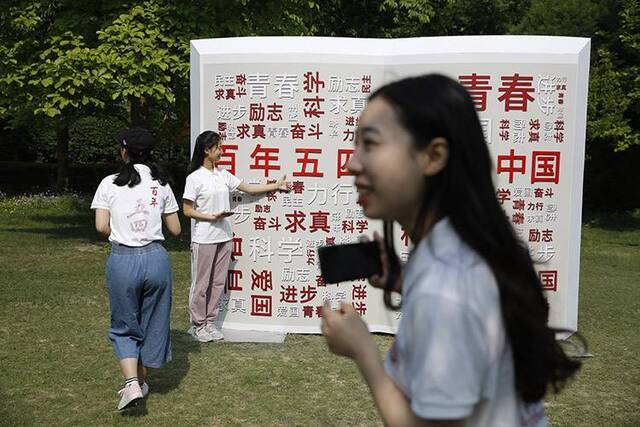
(136,139)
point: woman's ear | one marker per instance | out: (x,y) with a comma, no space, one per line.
(434,156)
(124,153)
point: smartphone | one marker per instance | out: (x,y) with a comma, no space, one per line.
(339,263)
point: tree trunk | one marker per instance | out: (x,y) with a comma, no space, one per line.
(62,151)
(139,112)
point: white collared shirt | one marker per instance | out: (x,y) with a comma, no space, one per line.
(135,213)
(451,356)
(209,191)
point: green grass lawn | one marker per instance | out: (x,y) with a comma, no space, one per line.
(57,366)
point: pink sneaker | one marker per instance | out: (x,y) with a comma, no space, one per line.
(129,395)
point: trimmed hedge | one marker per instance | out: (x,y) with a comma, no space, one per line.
(30,177)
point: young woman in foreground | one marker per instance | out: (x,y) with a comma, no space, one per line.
(130,207)
(473,347)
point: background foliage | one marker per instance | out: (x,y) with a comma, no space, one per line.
(71,72)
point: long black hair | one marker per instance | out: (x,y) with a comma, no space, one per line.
(433,106)
(128,175)
(204,141)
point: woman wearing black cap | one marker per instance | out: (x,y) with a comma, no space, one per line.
(130,207)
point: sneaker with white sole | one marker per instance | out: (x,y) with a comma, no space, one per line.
(215,332)
(129,395)
(201,333)
(145,390)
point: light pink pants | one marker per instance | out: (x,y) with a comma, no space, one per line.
(209,266)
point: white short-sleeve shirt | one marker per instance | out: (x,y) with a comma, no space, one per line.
(209,191)
(135,213)
(451,355)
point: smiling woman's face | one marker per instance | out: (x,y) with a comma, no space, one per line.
(387,167)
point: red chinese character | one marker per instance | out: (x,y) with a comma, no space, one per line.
(274,223)
(319,221)
(258,131)
(259,223)
(311,256)
(362,225)
(347,226)
(516,90)
(262,158)
(360,306)
(233,280)
(307,293)
(228,158)
(312,107)
(262,280)
(307,311)
(256,112)
(241,79)
(243,131)
(315,131)
(295,220)
(518,218)
(534,124)
(477,86)
(318,311)
(549,279)
(320,282)
(231,94)
(503,195)
(312,82)
(547,235)
(344,155)
(261,305)
(222,126)
(237,248)
(359,292)
(518,205)
(274,112)
(297,131)
(514,164)
(559,137)
(288,293)
(349,135)
(219,94)
(329,241)
(297,187)
(305,161)
(534,235)
(545,166)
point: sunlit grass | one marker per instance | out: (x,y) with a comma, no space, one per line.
(57,367)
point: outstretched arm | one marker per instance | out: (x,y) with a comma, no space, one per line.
(280,185)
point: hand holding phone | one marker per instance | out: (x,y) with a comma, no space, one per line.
(340,263)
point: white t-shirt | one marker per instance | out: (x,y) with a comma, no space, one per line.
(209,191)
(136,213)
(451,355)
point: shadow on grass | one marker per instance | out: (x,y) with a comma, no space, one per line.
(168,378)
(614,221)
(81,226)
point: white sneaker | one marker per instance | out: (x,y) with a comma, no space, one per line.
(215,332)
(201,333)
(145,390)
(129,395)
